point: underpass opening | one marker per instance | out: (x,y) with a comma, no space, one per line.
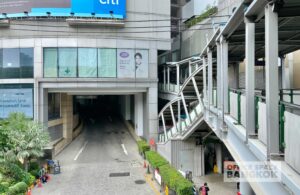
(69,113)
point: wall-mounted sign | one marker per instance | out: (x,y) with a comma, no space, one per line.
(126,65)
(16,100)
(81,8)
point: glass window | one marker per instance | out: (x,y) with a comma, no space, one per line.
(50,62)
(67,59)
(53,106)
(11,63)
(87,62)
(107,63)
(26,62)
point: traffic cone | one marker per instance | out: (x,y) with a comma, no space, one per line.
(29,191)
(145,166)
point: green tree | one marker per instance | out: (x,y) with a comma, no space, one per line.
(26,139)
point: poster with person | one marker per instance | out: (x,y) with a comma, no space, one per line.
(126,65)
(141,59)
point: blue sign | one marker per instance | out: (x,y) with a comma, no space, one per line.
(106,7)
(64,8)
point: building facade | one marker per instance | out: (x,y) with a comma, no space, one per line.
(48,56)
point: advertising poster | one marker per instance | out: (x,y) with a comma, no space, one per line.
(141,59)
(126,64)
(107,63)
(16,100)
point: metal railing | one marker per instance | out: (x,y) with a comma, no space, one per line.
(192,109)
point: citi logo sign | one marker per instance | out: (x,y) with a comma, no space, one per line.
(109,2)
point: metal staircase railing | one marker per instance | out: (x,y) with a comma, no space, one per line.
(175,124)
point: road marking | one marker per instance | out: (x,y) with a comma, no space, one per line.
(124,149)
(151,184)
(81,150)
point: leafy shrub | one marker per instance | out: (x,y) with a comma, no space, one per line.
(155,159)
(209,12)
(15,173)
(18,188)
(4,187)
(33,166)
(170,176)
(143,146)
(175,180)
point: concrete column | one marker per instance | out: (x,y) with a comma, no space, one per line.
(219,71)
(290,82)
(139,109)
(67,116)
(219,158)
(165,78)
(127,107)
(204,80)
(198,158)
(178,77)
(210,77)
(236,83)
(168,78)
(245,188)
(43,106)
(250,78)
(272,89)
(224,46)
(152,110)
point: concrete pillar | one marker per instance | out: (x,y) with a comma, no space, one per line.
(219,71)
(168,78)
(152,110)
(210,77)
(139,109)
(165,78)
(236,69)
(198,161)
(219,158)
(204,80)
(224,48)
(272,88)
(290,81)
(127,108)
(43,106)
(67,116)
(246,189)
(250,78)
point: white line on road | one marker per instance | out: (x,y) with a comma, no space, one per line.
(124,149)
(81,150)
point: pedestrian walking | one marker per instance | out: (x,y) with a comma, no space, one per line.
(204,189)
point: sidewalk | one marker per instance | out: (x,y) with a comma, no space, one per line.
(216,184)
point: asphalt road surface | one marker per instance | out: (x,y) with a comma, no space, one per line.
(103,160)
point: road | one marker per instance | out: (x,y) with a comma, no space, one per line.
(105,147)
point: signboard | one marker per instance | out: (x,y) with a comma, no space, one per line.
(141,58)
(107,63)
(157,176)
(81,8)
(126,65)
(16,100)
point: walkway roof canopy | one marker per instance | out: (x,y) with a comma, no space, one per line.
(288,24)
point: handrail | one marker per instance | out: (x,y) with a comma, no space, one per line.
(189,79)
(287,104)
(172,102)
